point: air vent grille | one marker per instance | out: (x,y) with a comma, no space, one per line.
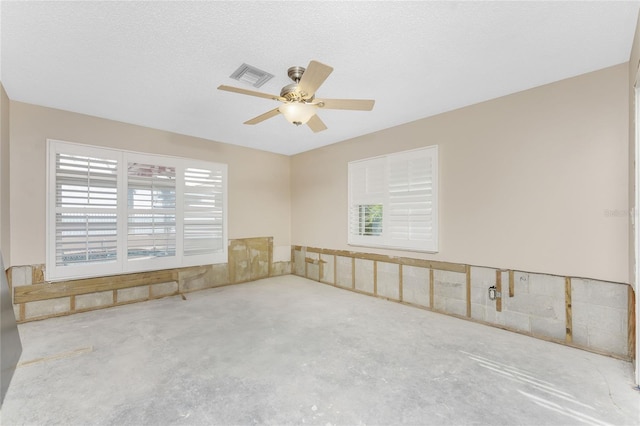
(251,75)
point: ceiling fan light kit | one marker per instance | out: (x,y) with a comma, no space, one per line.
(298,112)
(299,103)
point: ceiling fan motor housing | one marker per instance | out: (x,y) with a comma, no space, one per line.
(295,73)
(292,93)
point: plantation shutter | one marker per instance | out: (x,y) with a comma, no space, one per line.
(151,200)
(367,193)
(393,200)
(412,214)
(85,210)
(112,211)
(203,231)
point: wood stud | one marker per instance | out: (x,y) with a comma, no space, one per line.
(430,288)
(499,290)
(353,272)
(631,328)
(569,316)
(400,283)
(512,290)
(468,291)
(375,278)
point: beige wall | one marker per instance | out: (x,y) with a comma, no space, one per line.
(526,180)
(259,197)
(633,70)
(5,229)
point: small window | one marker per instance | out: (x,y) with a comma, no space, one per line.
(369,219)
(393,201)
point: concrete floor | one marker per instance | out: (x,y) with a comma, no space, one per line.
(291,351)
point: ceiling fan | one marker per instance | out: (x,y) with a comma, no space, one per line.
(299,102)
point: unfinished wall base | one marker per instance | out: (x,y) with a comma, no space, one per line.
(588,314)
(34,299)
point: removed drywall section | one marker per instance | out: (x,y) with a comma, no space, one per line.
(249,259)
(589,314)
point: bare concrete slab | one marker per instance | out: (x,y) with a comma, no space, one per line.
(287,350)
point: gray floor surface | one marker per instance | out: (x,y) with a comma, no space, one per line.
(288,350)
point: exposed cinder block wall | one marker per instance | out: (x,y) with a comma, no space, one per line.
(588,314)
(33,299)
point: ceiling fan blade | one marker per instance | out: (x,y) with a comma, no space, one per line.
(315,74)
(250,92)
(353,104)
(316,124)
(262,117)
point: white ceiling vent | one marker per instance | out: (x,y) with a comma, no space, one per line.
(251,75)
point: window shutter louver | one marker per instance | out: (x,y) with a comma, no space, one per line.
(411,216)
(151,201)
(367,189)
(85,210)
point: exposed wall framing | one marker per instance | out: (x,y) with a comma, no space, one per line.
(589,314)
(249,259)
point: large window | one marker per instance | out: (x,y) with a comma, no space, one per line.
(111,212)
(393,201)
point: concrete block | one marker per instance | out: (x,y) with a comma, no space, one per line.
(195,278)
(133,294)
(164,289)
(364,275)
(94,300)
(520,283)
(483,277)
(21,275)
(602,293)
(535,305)
(313,269)
(604,318)
(517,321)
(548,328)
(388,280)
(281,268)
(580,335)
(344,272)
(479,311)
(457,307)
(415,285)
(49,307)
(449,289)
(328,268)
(239,261)
(259,251)
(608,342)
(16,312)
(547,285)
(219,274)
(493,316)
(298,257)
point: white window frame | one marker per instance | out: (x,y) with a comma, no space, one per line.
(376,181)
(122,264)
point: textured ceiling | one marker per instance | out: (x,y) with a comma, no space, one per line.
(158,64)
